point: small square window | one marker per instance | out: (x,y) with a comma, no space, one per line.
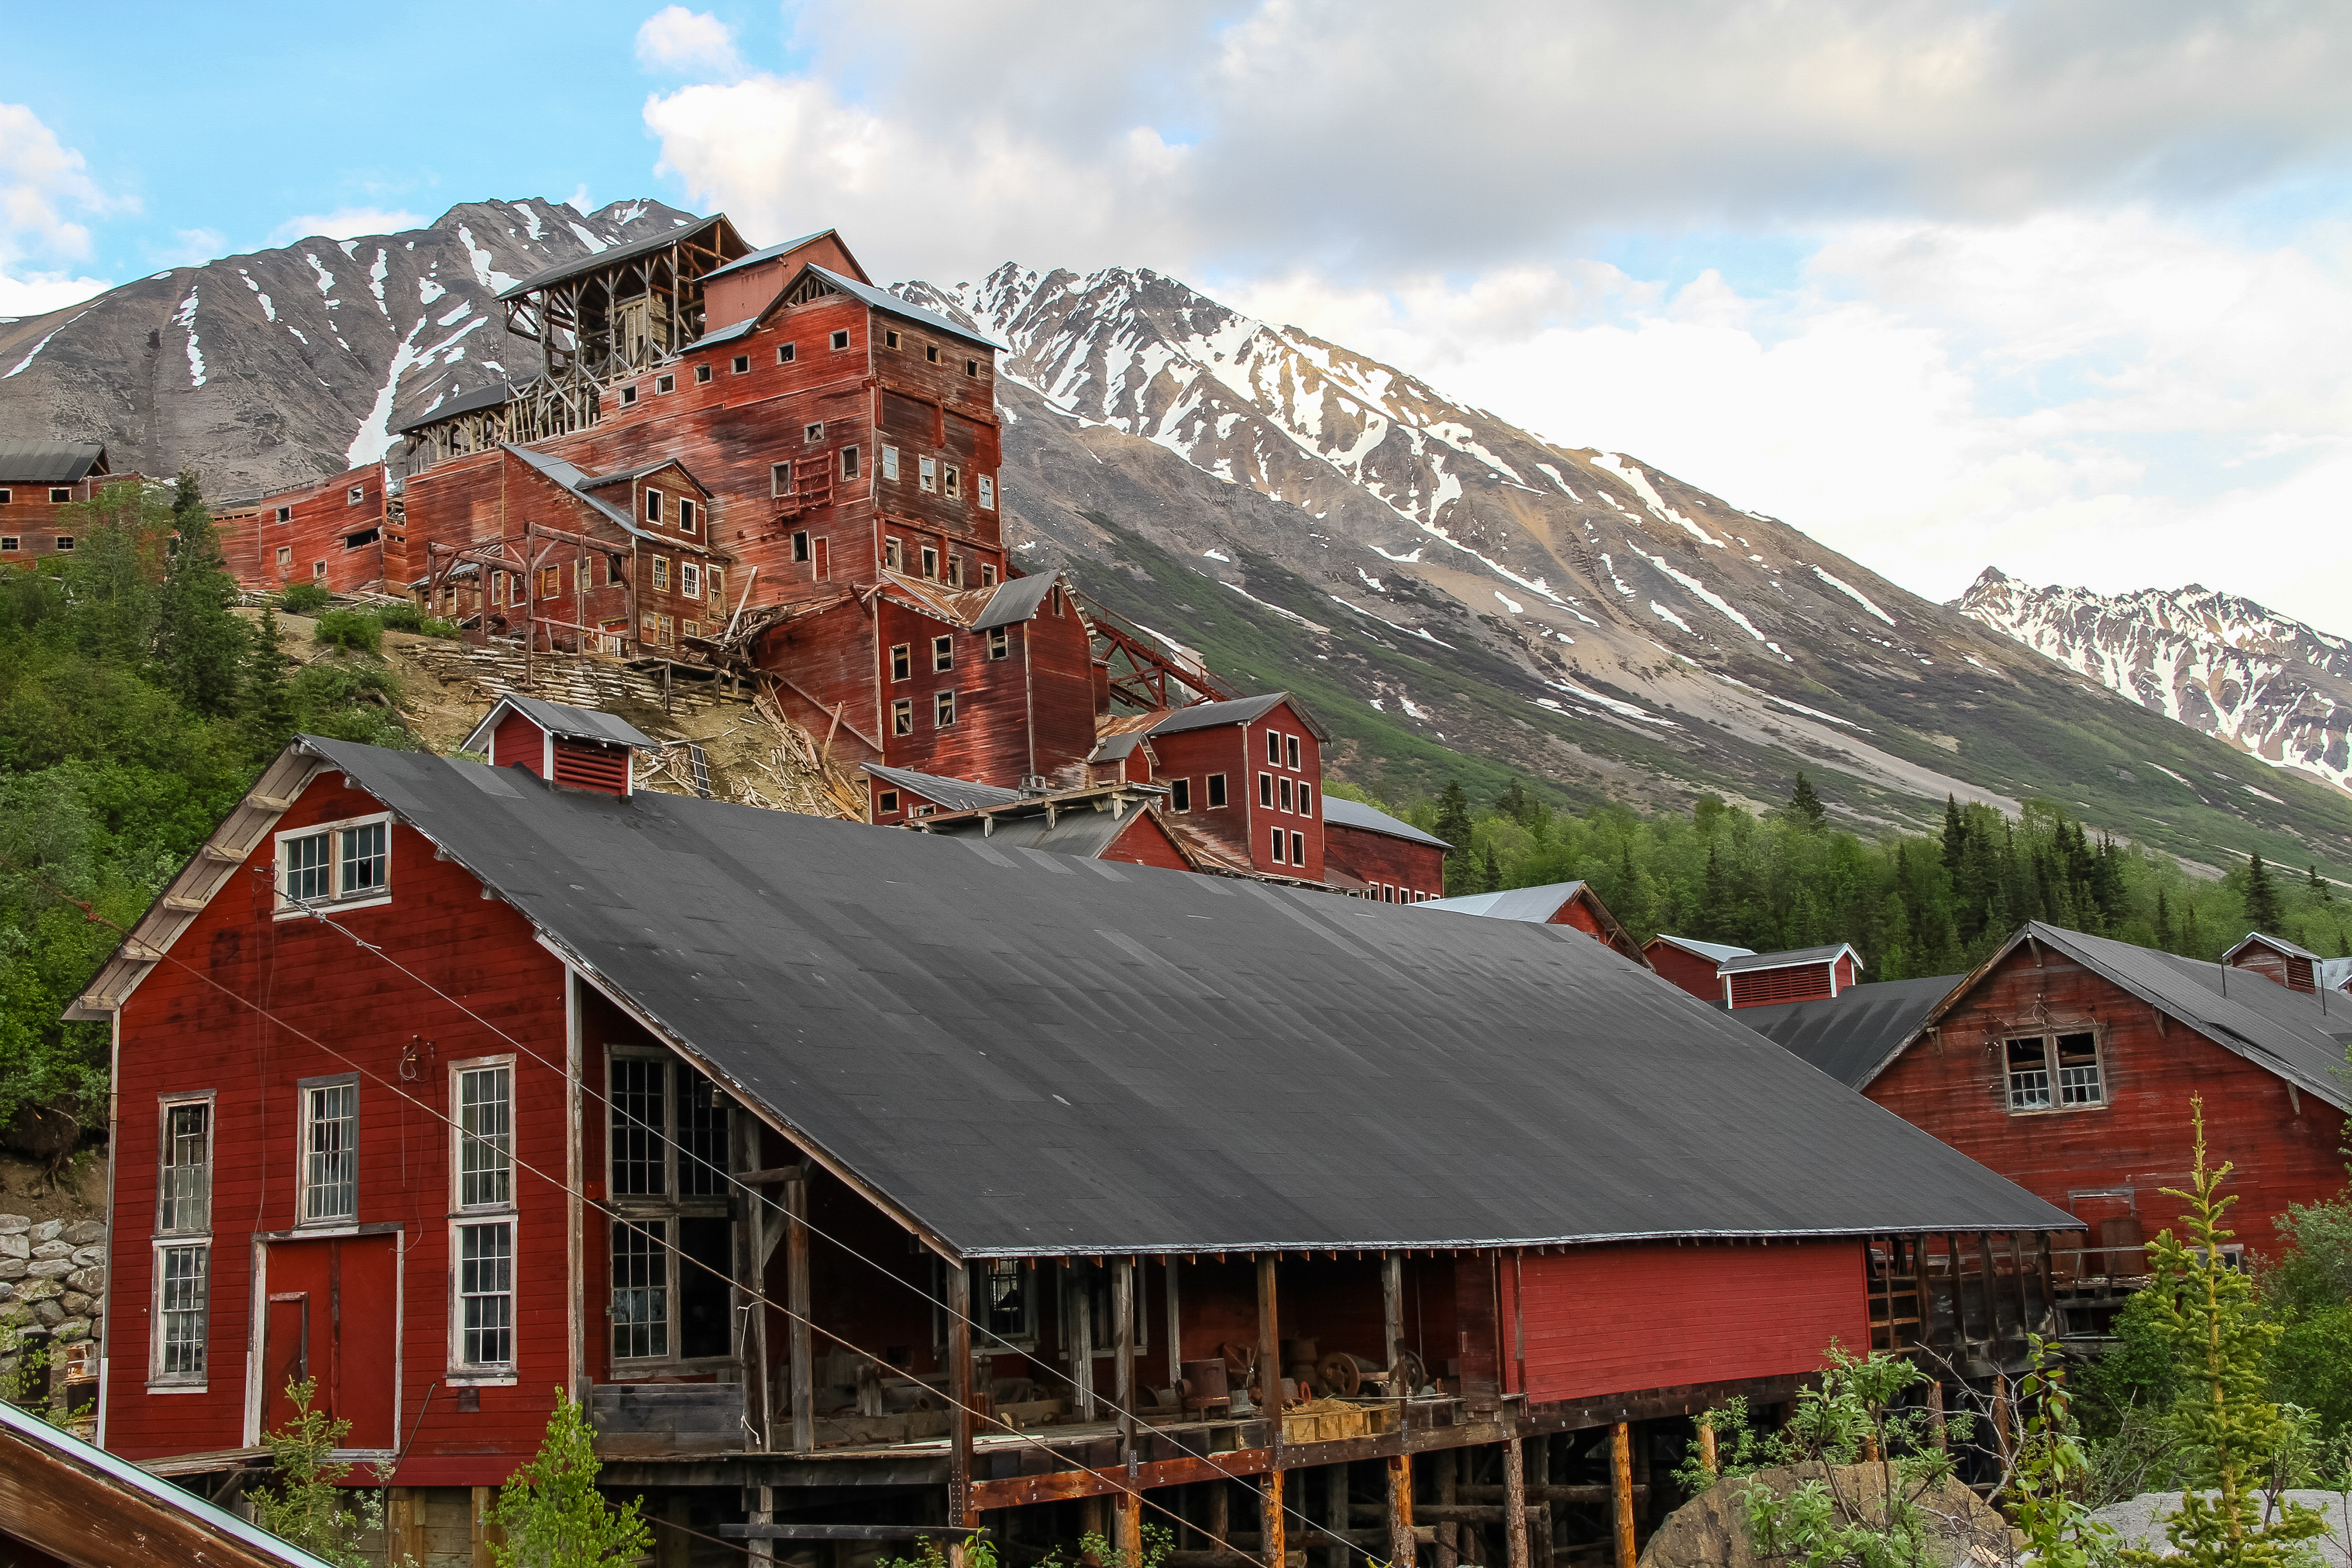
(10,543)
(355,495)
(849,462)
(887,803)
(987,493)
(972,367)
(285,514)
(628,395)
(932,353)
(902,716)
(955,571)
(285,558)
(742,365)
(949,482)
(890,464)
(943,710)
(1216,791)
(664,383)
(685,514)
(1000,643)
(785,353)
(811,434)
(61,495)
(318,568)
(942,653)
(1179,794)
(701,374)
(800,547)
(890,340)
(902,660)
(988,574)
(6,495)
(931,561)
(840,340)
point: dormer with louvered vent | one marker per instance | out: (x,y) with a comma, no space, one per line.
(579,748)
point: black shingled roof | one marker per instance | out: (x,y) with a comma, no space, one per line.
(1031,1054)
(30,462)
(1849,1034)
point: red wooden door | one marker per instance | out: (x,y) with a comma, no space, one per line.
(334,1317)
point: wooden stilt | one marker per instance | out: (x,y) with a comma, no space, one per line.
(1272,1545)
(1269,1373)
(1620,1477)
(1130,1525)
(1514,1503)
(1335,1513)
(1221,1514)
(1449,1482)
(1935,1415)
(1540,1478)
(1706,1457)
(959,1392)
(796,1299)
(1122,1339)
(1401,1546)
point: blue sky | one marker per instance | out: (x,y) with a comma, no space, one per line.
(2064,286)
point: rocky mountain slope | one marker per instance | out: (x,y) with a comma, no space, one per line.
(1455,596)
(274,368)
(2260,680)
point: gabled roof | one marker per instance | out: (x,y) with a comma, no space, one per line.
(1340,811)
(565,272)
(1238,710)
(2277,944)
(955,794)
(1795,959)
(1713,951)
(2299,1035)
(1117,748)
(726,334)
(75,1503)
(1847,1036)
(26,462)
(1532,904)
(884,301)
(628,476)
(775,252)
(1084,822)
(565,722)
(564,476)
(1017,600)
(1090,1001)
(494,396)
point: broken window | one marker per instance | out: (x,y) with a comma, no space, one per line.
(890,464)
(894,555)
(943,710)
(849,462)
(987,493)
(2029,1074)
(61,495)
(1216,791)
(988,574)
(669,1141)
(800,546)
(902,660)
(785,353)
(932,353)
(664,383)
(628,395)
(890,338)
(780,478)
(942,654)
(949,482)
(931,561)
(972,367)
(1179,794)
(927,473)
(813,433)
(355,495)
(1000,643)
(886,803)
(902,716)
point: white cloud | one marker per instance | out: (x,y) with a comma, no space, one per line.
(45,190)
(38,293)
(678,41)
(345,223)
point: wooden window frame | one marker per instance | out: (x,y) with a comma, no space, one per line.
(689,579)
(988,574)
(2052,1071)
(498,1213)
(931,353)
(931,559)
(780,478)
(894,552)
(890,464)
(665,1208)
(927,473)
(840,341)
(890,338)
(686,514)
(1265,790)
(1273,749)
(787,352)
(653,506)
(285,514)
(356,496)
(165,1104)
(742,365)
(971,368)
(886,803)
(987,492)
(61,495)
(304,1091)
(902,716)
(702,375)
(1027,1278)
(1180,794)
(1219,797)
(1297,847)
(950,481)
(664,383)
(1278,848)
(1290,752)
(1000,643)
(661,573)
(1306,798)
(185,1380)
(628,397)
(943,709)
(1283,791)
(461,1373)
(813,433)
(339,896)
(942,654)
(285,558)
(9,543)
(849,462)
(902,661)
(801,548)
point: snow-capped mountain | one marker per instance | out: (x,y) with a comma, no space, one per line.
(2260,680)
(274,368)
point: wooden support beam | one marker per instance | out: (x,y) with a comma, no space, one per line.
(1122,1339)
(1392,1310)
(848,1533)
(959,1392)
(1336,1514)
(796,1301)
(1402,1535)
(1515,1502)
(1269,1377)
(1581,1496)
(1449,1491)
(1078,1308)
(1621,1475)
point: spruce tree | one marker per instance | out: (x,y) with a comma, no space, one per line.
(1805,808)
(2163,921)
(2262,897)
(1956,836)
(2320,894)
(268,710)
(199,644)
(1490,872)
(1453,825)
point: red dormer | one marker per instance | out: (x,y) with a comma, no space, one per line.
(2277,960)
(577,747)
(1807,974)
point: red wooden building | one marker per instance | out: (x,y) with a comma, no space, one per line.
(1695,966)
(1572,904)
(1372,855)
(1765,979)
(874,1182)
(37,477)
(2286,964)
(346,534)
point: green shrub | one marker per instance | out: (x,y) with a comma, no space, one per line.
(407,618)
(353,629)
(304,598)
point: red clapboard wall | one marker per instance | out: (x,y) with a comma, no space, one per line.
(1610,1320)
(1399,869)
(2110,1160)
(181,1035)
(1695,975)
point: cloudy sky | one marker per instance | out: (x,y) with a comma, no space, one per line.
(2065,288)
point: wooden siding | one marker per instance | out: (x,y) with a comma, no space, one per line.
(1792,983)
(1061,690)
(1145,842)
(181,1035)
(989,741)
(317,534)
(2285,969)
(1413,870)
(1695,975)
(1614,1320)
(30,517)
(2109,1161)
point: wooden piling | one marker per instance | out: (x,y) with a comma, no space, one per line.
(1269,1374)
(1514,1503)
(1400,1542)
(802,1340)
(1621,1478)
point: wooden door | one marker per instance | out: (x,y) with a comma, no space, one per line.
(334,1318)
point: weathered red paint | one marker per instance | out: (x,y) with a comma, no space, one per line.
(1695,975)
(1393,869)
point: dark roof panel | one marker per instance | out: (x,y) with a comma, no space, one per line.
(1536,904)
(1015,601)
(1790,960)
(1342,812)
(1848,1036)
(1208,715)
(955,794)
(892,995)
(491,396)
(883,299)
(27,462)
(566,270)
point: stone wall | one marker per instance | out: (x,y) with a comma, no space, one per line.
(52,1291)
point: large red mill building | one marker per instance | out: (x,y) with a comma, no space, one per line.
(866,1182)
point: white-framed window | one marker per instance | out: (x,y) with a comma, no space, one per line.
(701,375)
(346,864)
(685,514)
(902,716)
(689,579)
(787,352)
(176,1359)
(813,433)
(1265,790)
(999,642)
(330,1121)
(950,481)
(673,1243)
(1290,751)
(927,472)
(483,1220)
(318,568)
(1306,798)
(942,653)
(840,340)
(59,494)
(1279,858)
(987,575)
(780,478)
(664,383)
(943,710)
(890,464)
(285,514)
(1273,747)
(742,365)
(484,1283)
(1216,791)
(2055,1071)
(628,395)
(1286,803)
(931,561)
(987,493)
(1179,794)
(1297,849)
(894,555)
(849,462)
(183,1177)
(654,506)
(483,1091)
(9,543)
(6,495)
(355,495)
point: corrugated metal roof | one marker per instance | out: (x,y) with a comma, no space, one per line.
(1533,904)
(1713,951)
(726,334)
(2276,943)
(903,999)
(1848,1036)
(1015,601)
(1349,813)
(1790,960)
(561,720)
(564,271)
(2300,1035)
(954,795)
(770,254)
(1237,711)
(1115,748)
(883,299)
(480,397)
(1084,831)
(626,475)
(25,462)
(559,472)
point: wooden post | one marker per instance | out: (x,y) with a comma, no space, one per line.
(1707,1459)
(1335,1513)
(1515,1500)
(959,1294)
(1935,1415)
(1175,1337)
(1122,1339)
(796,1301)
(486,1528)
(1959,1290)
(760,1508)
(1221,1514)
(1131,1524)
(1401,1510)
(404,1526)
(1449,1533)
(2000,1414)
(1542,1523)
(1621,1478)
(1269,1372)
(1080,1297)
(1391,1310)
